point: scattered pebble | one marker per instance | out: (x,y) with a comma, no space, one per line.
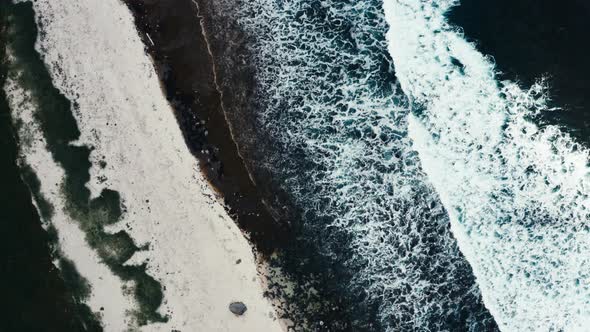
(238,308)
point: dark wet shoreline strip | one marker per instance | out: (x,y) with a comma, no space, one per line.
(174,38)
(173,35)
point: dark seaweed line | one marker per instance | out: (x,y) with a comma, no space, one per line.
(54,114)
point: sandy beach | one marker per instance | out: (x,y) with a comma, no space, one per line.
(190,244)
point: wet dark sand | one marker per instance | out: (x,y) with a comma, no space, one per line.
(185,66)
(180,53)
(532,38)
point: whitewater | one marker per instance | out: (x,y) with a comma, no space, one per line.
(418,169)
(516,194)
(327,99)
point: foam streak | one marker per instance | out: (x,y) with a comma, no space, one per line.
(517,195)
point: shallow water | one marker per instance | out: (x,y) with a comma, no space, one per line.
(37,296)
(335,119)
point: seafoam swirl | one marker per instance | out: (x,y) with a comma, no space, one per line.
(517,195)
(332,107)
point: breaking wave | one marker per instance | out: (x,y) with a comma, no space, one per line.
(517,194)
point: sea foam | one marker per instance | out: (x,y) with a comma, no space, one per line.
(331,105)
(517,194)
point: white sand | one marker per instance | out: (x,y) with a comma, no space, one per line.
(70,237)
(98,61)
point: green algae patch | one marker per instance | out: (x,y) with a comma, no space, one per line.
(54,114)
(106,209)
(81,290)
(74,281)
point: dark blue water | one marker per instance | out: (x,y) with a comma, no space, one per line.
(326,121)
(533,38)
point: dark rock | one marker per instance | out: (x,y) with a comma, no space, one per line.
(237,308)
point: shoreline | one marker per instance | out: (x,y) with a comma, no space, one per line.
(186,69)
(294,277)
(191,87)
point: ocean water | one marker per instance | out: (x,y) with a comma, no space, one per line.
(329,103)
(531,39)
(431,156)
(516,192)
(438,184)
